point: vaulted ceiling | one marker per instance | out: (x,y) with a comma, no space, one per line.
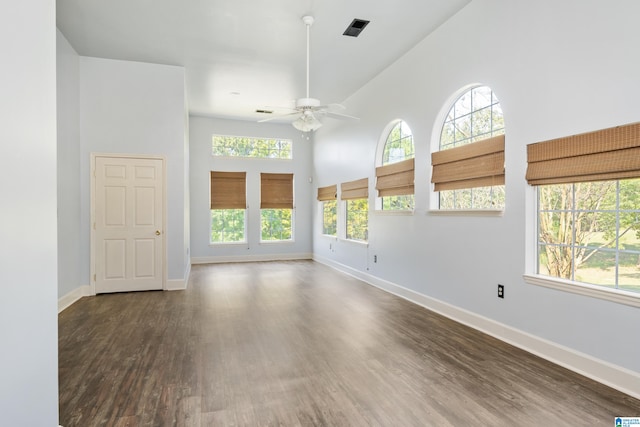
(244,55)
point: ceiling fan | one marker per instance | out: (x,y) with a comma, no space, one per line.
(310,109)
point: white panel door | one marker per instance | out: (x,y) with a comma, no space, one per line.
(128,218)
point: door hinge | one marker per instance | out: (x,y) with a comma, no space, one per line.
(94,225)
(94,277)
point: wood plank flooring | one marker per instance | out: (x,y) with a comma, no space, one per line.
(299,344)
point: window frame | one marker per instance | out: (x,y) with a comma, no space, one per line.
(346,221)
(382,143)
(253,139)
(434,198)
(245,230)
(604,292)
(323,224)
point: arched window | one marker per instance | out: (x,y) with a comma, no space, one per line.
(395,183)
(471,178)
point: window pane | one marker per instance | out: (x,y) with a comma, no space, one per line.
(357,219)
(235,146)
(481,97)
(581,227)
(276,224)
(398,203)
(329,217)
(227,225)
(597,267)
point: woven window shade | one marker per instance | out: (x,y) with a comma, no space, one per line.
(479,164)
(358,189)
(276,191)
(228,190)
(606,154)
(327,193)
(395,179)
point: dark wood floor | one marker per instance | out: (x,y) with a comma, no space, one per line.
(296,343)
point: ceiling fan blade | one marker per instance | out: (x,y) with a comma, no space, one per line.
(339,116)
(279,116)
(329,107)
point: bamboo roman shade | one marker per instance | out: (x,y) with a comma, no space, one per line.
(327,193)
(276,191)
(479,164)
(228,190)
(358,189)
(395,179)
(606,154)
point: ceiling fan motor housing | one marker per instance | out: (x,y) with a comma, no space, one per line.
(307,103)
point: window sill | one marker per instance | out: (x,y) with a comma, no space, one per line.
(277,242)
(355,242)
(467,212)
(393,212)
(594,291)
(215,244)
(329,236)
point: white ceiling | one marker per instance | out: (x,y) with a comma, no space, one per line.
(243,55)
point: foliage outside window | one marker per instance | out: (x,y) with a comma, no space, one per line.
(476,115)
(398,147)
(264,148)
(228,225)
(329,217)
(590,232)
(276,224)
(357,219)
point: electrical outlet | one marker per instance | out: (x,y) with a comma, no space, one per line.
(375,259)
(500,291)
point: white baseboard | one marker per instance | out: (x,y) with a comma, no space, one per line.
(73,296)
(614,376)
(250,258)
(179,284)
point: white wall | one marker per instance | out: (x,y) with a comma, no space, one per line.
(558,68)
(202,162)
(68,109)
(136,108)
(28,248)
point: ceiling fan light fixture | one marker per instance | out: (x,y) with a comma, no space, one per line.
(307,122)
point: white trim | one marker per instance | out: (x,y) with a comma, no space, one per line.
(250,258)
(67,300)
(466,212)
(393,212)
(614,376)
(614,295)
(179,284)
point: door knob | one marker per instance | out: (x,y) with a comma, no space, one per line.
(157,232)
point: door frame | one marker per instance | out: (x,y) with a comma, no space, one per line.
(92,243)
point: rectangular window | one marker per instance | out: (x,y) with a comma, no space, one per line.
(590,232)
(327,196)
(228,207)
(356,195)
(588,188)
(330,217)
(263,148)
(228,225)
(276,224)
(276,206)
(358,219)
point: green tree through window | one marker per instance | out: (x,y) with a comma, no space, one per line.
(329,217)
(236,146)
(276,224)
(228,225)
(358,219)
(590,232)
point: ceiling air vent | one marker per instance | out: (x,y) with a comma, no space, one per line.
(264,111)
(355,28)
